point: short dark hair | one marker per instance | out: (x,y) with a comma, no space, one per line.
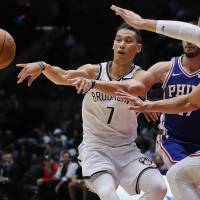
(124,25)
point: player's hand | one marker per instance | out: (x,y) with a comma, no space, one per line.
(82,85)
(129,17)
(30,71)
(151,116)
(138,105)
(135,102)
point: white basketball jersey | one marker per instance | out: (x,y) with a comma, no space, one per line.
(107,119)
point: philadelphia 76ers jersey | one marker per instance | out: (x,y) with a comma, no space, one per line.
(107,119)
(182,126)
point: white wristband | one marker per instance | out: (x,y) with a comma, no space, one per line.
(179,30)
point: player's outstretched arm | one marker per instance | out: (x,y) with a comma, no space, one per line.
(54,73)
(175,29)
(180,104)
(108,87)
(138,85)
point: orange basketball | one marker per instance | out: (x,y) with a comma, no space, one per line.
(7,48)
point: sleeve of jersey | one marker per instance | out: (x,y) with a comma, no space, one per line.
(179,30)
(99,72)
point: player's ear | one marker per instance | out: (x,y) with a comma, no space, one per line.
(139,48)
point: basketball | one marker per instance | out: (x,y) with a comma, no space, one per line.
(7,48)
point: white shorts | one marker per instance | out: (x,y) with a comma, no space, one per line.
(124,163)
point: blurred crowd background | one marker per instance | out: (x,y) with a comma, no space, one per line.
(41,126)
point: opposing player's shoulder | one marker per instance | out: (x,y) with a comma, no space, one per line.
(160,66)
(160,70)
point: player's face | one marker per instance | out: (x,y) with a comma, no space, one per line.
(125,45)
(190,50)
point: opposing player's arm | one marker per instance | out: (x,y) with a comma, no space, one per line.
(175,105)
(155,74)
(194,98)
(174,29)
(180,104)
(56,74)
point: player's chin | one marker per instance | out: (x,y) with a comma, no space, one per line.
(191,54)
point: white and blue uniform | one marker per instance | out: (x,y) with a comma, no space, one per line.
(181,131)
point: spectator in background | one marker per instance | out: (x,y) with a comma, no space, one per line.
(49,170)
(65,172)
(10,175)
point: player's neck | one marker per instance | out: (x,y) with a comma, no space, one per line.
(118,69)
(192,64)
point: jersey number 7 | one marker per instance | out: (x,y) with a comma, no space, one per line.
(111,114)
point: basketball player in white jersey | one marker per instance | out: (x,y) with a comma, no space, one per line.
(108,153)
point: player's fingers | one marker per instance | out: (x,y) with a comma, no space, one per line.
(72,82)
(114,7)
(81,86)
(124,96)
(158,115)
(152,116)
(120,13)
(135,108)
(122,92)
(87,87)
(22,78)
(75,82)
(21,72)
(118,10)
(123,13)
(134,101)
(30,80)
(21,65)
(147,117)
